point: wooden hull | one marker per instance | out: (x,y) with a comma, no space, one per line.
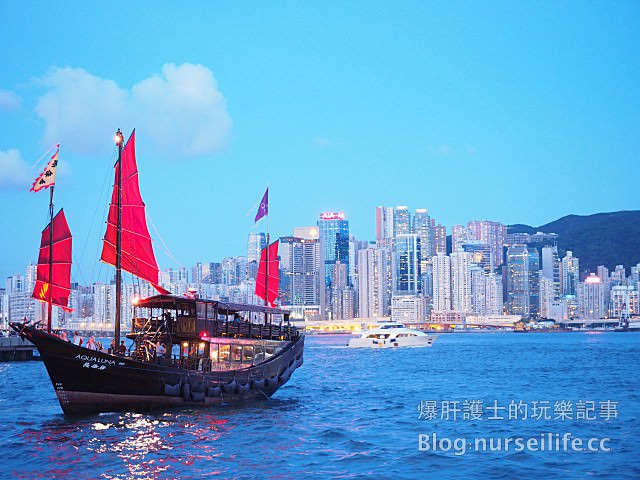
(87,381)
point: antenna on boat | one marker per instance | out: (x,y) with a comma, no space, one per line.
(119,141)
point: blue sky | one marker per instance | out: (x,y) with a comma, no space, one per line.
(507,111)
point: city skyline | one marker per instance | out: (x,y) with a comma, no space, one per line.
(513,113)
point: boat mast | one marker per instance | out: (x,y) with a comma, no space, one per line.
(119,142)
(50,289)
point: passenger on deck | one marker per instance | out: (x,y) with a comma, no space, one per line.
(112,347)
(161,350)
(91,344)
(122,349)
(77,339)
(63,336)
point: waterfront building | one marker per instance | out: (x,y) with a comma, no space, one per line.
(570,275)
(300,268)
(333,231)
(374,291)
(407,308)
(441,282)
(623,297)
(422,227)
(4,309)
(591,298)
(486,292)
(551,270)
(406,264)
(461,281)
(523,286)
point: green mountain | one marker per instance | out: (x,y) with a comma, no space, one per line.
(608,239)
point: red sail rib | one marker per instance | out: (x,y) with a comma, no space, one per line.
(270,255)
(57,288)
(137,251)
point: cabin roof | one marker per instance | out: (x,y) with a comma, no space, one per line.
(175,301)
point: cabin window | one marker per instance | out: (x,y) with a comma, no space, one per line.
(223,356)
(236,353)
(247,354)
(213,352)
(211,312)
(201,310)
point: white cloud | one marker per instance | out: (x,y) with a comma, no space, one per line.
(183,109)
(180,112)
(9,101)
(14,172)
(80,110)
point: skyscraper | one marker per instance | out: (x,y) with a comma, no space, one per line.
(461,281)
(401,221)
(441,282)
(570,275)
(591,294)
(492,234)
(257,241)
(422,228)
(439,238)
(523,285)
(334,248)
(384,224)
(406,264)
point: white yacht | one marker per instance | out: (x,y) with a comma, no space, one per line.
(391,334)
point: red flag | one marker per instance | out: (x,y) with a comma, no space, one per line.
(263,209)
(48,176)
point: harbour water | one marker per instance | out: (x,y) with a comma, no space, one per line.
(358,413)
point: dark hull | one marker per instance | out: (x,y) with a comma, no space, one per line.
(87,381)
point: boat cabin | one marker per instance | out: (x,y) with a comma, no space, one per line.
(207,335)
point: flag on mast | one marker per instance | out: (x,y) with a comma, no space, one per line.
(48,176)
(263,209)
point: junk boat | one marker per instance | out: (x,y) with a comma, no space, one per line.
(390,334)
(186,352)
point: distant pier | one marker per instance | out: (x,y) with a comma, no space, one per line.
(15,349)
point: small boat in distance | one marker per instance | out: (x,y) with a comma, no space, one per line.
(390,335)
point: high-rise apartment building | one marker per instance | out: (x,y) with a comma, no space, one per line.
(492,234)
(570,275)
(591,298)
(384,225)
(422,228)
(441,282)
(461,281)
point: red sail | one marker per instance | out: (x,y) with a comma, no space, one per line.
(57,288)
(137,252)
(268,255)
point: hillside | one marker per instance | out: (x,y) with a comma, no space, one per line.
(608,239)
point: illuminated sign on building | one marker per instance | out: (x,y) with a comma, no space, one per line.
(332,216)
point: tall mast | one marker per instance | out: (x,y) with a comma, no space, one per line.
(50,290)
(266,276)
(119,142)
